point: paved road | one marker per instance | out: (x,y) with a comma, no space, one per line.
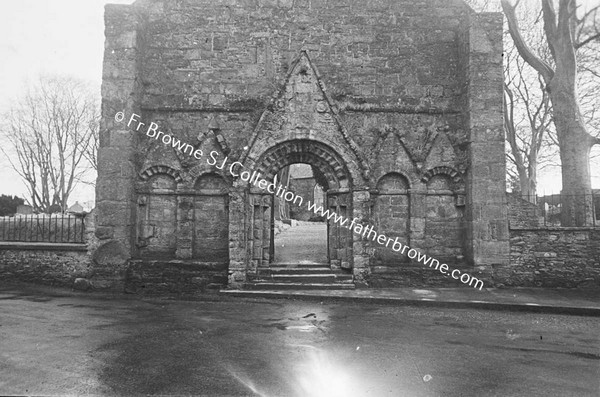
(58,342)
(304,243)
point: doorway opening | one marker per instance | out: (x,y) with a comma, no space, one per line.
(327,170)
(300,235)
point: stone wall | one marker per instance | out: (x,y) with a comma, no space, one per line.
(231,54)
(522,213)
(305,188)
(362,91)
(44,263)
(543,256)
(174,277)
(487,239)
(53,263)
(116,202)
(552,257)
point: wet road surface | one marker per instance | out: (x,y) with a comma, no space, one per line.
(63,343)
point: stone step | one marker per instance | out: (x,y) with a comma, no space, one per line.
(301,286)
(295,270)
(312,278)
(306,265)
(305,275)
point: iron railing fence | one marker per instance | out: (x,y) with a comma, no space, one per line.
(55,228)
(549,207)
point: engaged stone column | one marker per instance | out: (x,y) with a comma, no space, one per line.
(115,194)
(361,202)
(238,254)
(185,226)
(416,235)
(486,210)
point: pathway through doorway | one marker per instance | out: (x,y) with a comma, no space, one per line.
(304,243)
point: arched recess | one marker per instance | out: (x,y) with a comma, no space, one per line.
(332,169)
(161,169)
(211,219)
(392,218)
(157,215)
(452,174)
(393,157)
(444,222)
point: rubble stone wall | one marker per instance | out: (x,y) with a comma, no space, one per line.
(44,263)
(522,213)
(552,257)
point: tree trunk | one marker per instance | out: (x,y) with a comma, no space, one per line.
(573,139)
(527,184)
(575,145)
(532,171)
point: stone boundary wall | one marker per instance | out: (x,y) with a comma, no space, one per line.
(57,264)
(148,277)
(552,257)
(421,276)
(522,213)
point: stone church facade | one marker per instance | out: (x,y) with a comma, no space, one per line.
(397,103)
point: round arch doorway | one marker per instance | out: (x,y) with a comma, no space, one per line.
(333,176)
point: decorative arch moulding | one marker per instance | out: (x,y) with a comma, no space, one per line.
(161,169)
(202,169)
(450,172)
(305,151)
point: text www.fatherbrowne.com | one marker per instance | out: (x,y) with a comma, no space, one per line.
(236,170)
(369,232)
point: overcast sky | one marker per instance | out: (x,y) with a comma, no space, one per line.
(66,37)
(47,37)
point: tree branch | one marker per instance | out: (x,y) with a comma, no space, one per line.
(532,59)
(586,41)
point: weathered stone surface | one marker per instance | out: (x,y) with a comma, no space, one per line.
(522,213)
(104,233)
(111,255)
(552,257)
(178,277)
(82,284)
(44,265)
(398,104)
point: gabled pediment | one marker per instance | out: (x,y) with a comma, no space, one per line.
(419,141)
(301,109)
(441,152)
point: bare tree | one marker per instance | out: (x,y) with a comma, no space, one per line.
(527,108)
(90,152)
(527,119)
(565,34)
(526,135)
(49,131)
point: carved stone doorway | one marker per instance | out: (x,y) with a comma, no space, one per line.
(331,174)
